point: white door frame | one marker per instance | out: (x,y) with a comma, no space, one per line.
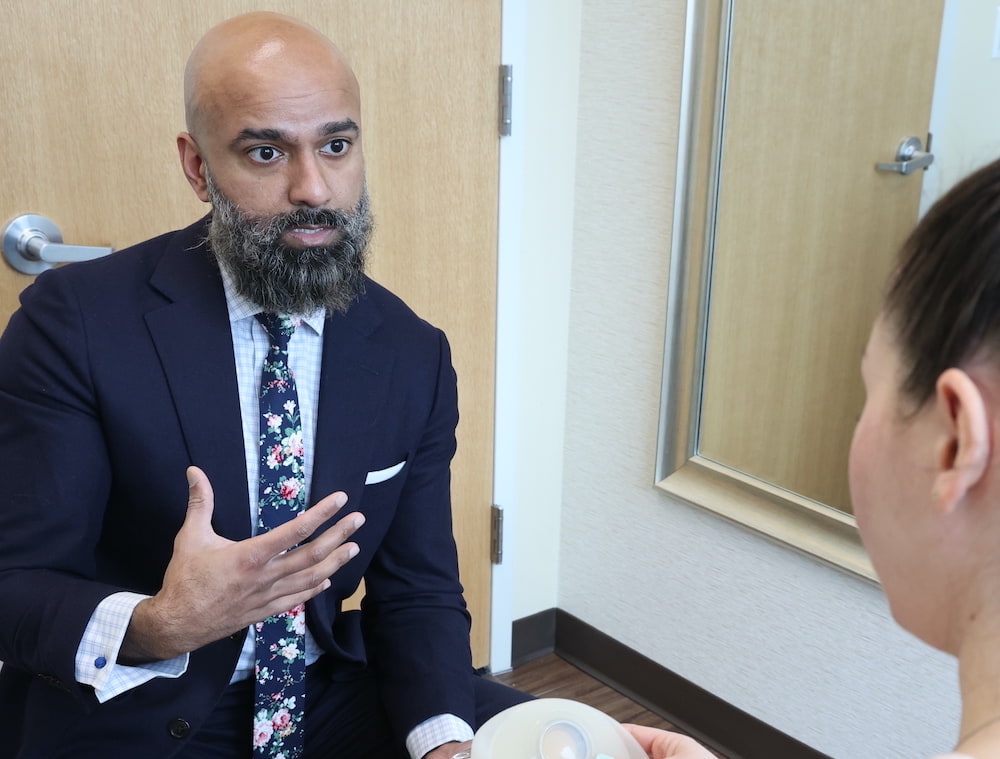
(505,475)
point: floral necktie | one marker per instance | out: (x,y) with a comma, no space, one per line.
(279,700)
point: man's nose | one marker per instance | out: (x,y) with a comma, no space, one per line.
(308,185)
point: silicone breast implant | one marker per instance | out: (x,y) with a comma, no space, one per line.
(554,728)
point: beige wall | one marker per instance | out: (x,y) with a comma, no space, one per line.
(802,646)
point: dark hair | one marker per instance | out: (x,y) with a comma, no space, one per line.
(943,301)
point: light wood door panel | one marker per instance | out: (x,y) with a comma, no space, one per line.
(807,228)
(92,98)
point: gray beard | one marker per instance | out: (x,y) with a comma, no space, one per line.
(287,280)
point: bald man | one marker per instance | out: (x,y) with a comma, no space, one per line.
(135,564)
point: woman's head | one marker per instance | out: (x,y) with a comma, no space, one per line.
(920,464)
(943,302)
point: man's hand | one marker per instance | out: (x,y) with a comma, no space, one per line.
(214,587)
(660,744)
(448,750)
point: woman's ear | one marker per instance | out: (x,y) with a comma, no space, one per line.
(963,453)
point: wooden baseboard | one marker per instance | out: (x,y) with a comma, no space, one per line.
(533,637)
(715,722)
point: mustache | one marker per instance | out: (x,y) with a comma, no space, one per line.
(334,218)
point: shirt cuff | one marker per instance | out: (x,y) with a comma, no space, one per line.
(433,732)
(97,655)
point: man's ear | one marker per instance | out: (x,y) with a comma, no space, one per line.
(193,165)
(963,453)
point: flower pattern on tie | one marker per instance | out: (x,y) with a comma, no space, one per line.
(279,700)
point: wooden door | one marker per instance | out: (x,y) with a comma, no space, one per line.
(92,99)
(817,94)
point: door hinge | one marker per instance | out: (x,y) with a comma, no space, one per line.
(496,534)
(506,97)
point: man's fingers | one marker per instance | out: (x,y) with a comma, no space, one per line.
(315,553)
(307,566)
(295,531)
(304,571)
(334,501)
(284,603)
(300,586)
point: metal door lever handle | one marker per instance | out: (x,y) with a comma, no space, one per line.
(909,157)
(38,247)
(32,244)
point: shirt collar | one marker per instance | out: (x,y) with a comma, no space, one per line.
(240,308)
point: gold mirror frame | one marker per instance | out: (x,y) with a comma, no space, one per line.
(809,526)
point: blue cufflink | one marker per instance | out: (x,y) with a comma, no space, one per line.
(100,662)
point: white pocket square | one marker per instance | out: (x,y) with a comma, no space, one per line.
(381,475)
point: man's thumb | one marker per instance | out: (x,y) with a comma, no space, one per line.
(201,500)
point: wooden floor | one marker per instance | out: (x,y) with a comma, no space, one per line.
(553,677)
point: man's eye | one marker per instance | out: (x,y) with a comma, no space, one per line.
(338,146)
(264,154)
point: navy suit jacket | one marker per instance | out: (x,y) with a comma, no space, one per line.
(117,374)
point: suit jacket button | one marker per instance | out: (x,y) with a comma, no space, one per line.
(179,728)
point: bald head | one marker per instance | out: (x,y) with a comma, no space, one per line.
(255,53)
(274,122)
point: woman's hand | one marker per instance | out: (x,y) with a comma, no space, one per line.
(660,744)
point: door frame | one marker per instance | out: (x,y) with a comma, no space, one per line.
(513,43)
(931,189)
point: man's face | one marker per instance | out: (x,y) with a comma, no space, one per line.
(276,149)
(280,133)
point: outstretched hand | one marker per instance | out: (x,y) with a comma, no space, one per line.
(214,587)
(660,744)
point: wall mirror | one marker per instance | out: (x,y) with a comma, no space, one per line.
(784,234)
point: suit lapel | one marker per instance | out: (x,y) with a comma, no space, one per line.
(355,375)
(353,385)
(194,342)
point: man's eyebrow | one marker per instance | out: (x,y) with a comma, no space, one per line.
(277,135)
(344,125)
(274,135)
